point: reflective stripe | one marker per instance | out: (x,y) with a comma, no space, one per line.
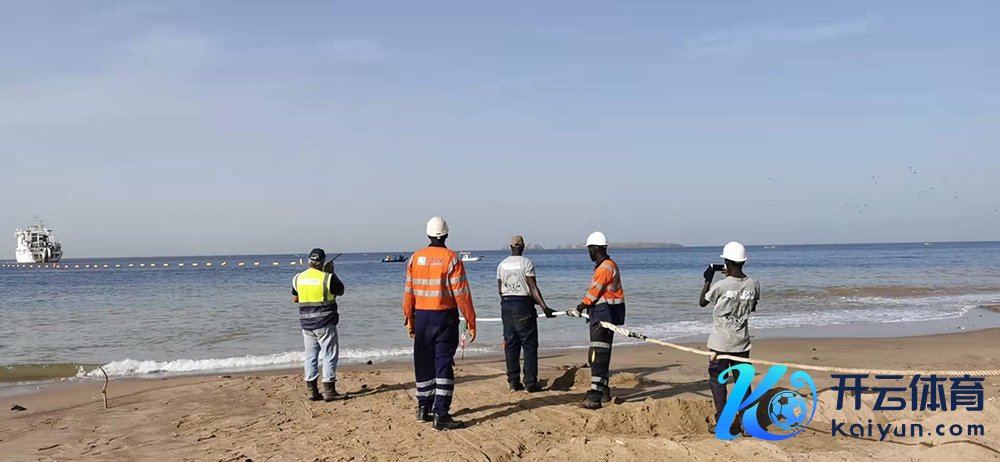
(425,384)
(604,345)
(314,304)
(326,287)
(457,280)
(598,286)
(426,282)
(441,392)
(315,314)
(613,301)
(596,387)
(427,293)
(461,291)
(423,394)
(453,264)
(591,296)
(444,381)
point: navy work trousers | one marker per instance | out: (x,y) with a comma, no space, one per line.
(434,345)
(719,390)
(520,331)
(601,340)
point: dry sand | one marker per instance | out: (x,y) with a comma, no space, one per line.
(661,412)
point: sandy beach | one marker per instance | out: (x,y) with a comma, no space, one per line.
(662,411)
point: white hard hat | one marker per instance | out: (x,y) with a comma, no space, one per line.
(437,227)
(734,251)
(597,238)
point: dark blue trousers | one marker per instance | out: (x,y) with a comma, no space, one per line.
(520,330)
(434,345)
(601,340)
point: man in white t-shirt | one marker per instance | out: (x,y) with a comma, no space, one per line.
(518,296)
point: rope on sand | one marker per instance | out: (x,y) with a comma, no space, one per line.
(807,367)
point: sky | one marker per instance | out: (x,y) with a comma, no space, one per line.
(232,127)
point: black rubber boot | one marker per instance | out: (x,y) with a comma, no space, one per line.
(313,391)
(424,415)
(445,422)
(606,395)
(330,392)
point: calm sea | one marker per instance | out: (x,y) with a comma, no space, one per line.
(154,320)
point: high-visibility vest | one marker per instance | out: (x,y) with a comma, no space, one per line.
(313,287)
(606,286)
(435,280)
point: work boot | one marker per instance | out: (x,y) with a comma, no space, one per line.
(533,388)
(590,404)
(445,422)
(424,414)
(516,386)
(606,395)
(330,392)
(313,391)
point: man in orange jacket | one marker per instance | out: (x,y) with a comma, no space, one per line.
(436,290)
(605,301)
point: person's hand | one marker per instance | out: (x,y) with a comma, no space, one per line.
(583,307)
(709,273)
(549,313)
(472,335)
(409,328)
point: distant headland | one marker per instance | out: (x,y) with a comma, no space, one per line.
(628,245)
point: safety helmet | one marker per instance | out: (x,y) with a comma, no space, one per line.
(437,227)
(734,251)
(597,238)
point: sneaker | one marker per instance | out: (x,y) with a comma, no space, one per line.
(533,388)
(424,415)
(516,386)
(445,422)
(590,404)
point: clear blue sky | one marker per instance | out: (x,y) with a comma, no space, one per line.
(173,128)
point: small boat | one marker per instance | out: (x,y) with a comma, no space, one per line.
(467,257)
(394,259)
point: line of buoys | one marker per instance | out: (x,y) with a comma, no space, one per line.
(141,265)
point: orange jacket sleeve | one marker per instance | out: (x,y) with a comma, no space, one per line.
(409,300)
(602,278)
(459,286)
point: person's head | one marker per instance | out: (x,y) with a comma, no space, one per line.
(597,246)
(517,246)
(437,230)
(734,255)
(317,257)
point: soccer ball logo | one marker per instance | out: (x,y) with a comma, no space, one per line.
(787,410)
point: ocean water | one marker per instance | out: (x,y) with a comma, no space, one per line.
(143,320)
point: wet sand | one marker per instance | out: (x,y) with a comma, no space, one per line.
(662,411)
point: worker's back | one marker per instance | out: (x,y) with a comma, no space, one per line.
(437,278)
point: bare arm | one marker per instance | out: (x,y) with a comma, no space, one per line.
(536,293)
(499,287)
(702,302)
(709,275)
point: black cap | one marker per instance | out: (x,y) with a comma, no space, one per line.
(317,254)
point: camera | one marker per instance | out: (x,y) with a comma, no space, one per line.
(718,267)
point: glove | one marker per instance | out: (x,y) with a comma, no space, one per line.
(549,313)
(709,273)
(574,313)
(409,328)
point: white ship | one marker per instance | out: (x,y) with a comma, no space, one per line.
(37,244)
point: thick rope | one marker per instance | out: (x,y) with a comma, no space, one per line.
(807,367)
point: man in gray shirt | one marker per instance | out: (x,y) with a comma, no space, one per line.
(735,297)
(518,296)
